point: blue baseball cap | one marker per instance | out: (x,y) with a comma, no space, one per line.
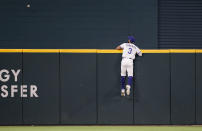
(131,38)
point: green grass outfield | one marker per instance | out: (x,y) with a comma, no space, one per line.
(100,128)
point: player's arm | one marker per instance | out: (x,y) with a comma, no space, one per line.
(139,52)
(120,47)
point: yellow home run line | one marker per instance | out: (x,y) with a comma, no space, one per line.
(78,50)
(11,50)
(97,51)
(156,51)
(109,51)
(40,50)
(182,50)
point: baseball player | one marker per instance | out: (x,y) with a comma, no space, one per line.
(129,52)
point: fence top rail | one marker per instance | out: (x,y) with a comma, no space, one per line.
(97,51)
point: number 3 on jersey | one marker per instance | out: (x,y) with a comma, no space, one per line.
(130,50)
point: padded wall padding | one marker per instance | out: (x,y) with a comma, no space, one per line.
(78,88)
(152,89)
(11,107)
(182,88)
(42,70)
(199,88)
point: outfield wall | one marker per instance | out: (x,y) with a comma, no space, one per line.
(83,87)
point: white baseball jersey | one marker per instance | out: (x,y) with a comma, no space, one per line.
(129,50)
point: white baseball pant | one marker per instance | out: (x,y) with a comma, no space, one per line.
(126,66)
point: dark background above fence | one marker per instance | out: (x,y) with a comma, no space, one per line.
(100,24)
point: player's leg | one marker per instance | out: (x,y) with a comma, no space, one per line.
(122,85)
(123,77)
(130,78)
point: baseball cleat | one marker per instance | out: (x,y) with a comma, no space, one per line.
(128,90)
(122,92)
